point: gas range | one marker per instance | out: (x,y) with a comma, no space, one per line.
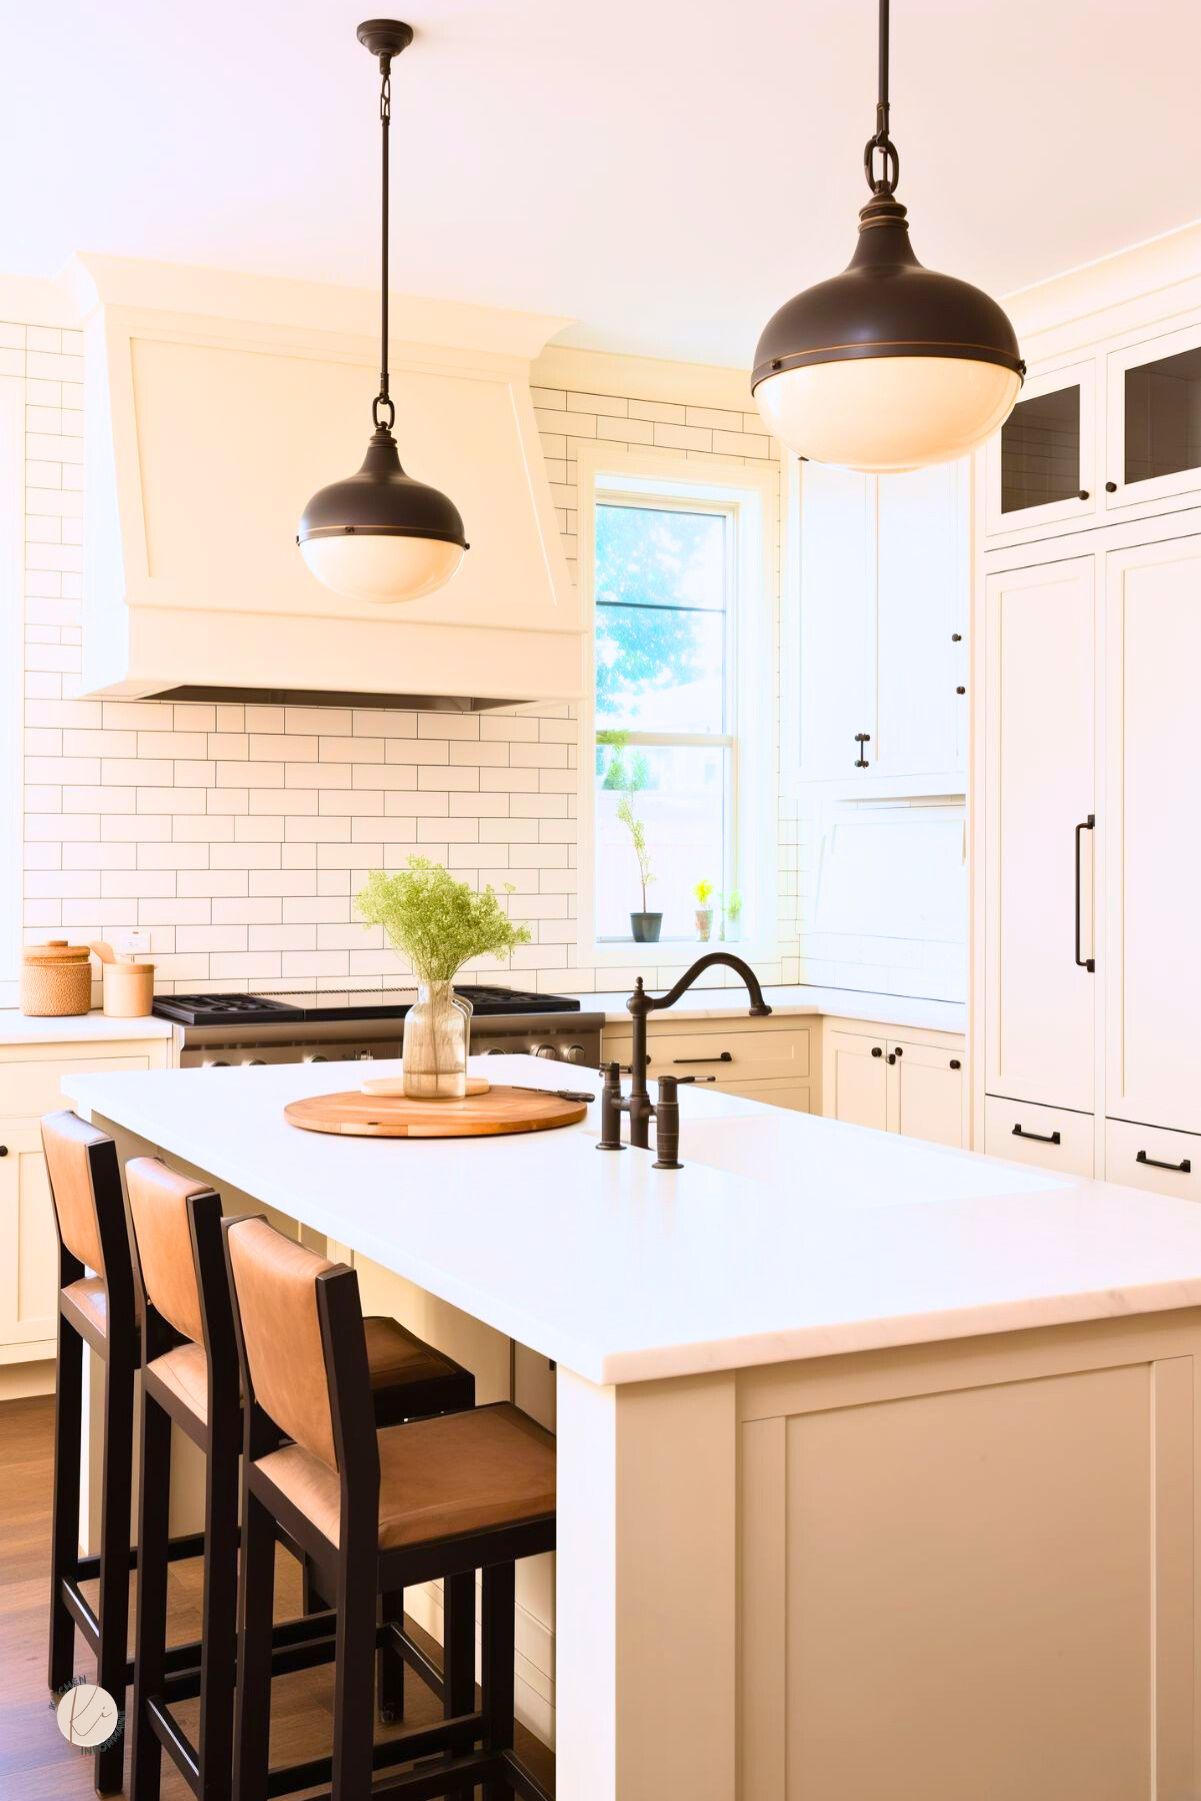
(350,1025)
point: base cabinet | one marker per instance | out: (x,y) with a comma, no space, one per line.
(772,1060)
(913,1086)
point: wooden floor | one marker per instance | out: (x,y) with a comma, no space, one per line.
(35,1762)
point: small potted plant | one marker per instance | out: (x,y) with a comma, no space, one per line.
(731,913)
(644,926)
(703,893)
(438,924)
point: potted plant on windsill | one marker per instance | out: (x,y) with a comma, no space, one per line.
(438,924)
(644,926)
(731,913)
(702,894)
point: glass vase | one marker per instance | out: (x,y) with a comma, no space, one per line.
(437,1041)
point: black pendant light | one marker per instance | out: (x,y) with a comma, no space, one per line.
(380,535)
(889,365)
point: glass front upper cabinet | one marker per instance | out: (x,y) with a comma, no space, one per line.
(1040,463)
(1154,419)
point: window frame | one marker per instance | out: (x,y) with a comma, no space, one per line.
(12,697)
(749,496)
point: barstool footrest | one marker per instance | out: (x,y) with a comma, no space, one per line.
(420,1741)
(189,1544)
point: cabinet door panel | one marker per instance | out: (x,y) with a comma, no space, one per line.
(926,1093)
(1154,425)
(857,1073)
(835,565)
(1154,834)
(1039,468)
(921,597)
(1038,789)
(28,1241)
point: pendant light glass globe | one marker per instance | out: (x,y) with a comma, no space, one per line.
(379,535)
(888,366)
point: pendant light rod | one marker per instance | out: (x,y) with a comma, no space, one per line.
(885,183)
(385,120)
(385,38)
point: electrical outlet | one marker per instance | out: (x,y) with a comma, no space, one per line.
(132,944)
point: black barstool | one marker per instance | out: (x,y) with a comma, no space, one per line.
(98,1310)
(375,1511)
(190,1379)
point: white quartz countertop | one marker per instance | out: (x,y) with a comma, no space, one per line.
(839,1003)
(76,1028)
(784,1237)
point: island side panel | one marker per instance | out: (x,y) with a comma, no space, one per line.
(646,1596)
(975,1556)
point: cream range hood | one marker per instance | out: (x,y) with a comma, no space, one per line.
(216,404)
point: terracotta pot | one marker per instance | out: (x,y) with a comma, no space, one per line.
(644,927)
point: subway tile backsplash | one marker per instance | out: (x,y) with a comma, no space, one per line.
(237,835)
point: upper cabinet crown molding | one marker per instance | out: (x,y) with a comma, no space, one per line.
(206,432)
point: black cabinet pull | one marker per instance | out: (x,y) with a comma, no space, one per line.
(1183,1168)
(876,1051)
(961,690)
(1111,487)
(1038,1137)
(956,637)
(723,1057)
(955,1063)
(1089,963)
(892,1056)
(1083,494)
(861,738)
(900,1050)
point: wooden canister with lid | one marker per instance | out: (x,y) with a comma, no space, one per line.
(56,978)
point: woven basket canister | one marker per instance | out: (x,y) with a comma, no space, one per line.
(56,978)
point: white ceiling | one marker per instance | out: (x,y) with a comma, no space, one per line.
(667,172)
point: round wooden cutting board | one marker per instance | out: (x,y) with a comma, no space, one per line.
(358,1115)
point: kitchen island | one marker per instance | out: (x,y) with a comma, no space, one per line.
(877,1462)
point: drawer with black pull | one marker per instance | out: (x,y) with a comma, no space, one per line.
(1150,1157)
(1052,1137)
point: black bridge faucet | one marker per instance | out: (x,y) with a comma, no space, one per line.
(638,1104)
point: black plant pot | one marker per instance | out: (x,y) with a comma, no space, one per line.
(644,927)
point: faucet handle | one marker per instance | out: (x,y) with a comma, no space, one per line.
(667,1125)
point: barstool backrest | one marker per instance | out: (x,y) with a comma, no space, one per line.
(69,1143)
(158,1202)
(275,1286)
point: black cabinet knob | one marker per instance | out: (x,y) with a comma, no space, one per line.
(956,637)
(1111,487)
(1083,494)
(900,1050)
(3,1150)
(961,690)
(955,1063)
(876,1051)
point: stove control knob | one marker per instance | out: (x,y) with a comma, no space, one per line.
(494,1052)
(316,1058)
(547,1050)
(574,1053)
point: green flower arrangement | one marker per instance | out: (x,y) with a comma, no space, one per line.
(437,923)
